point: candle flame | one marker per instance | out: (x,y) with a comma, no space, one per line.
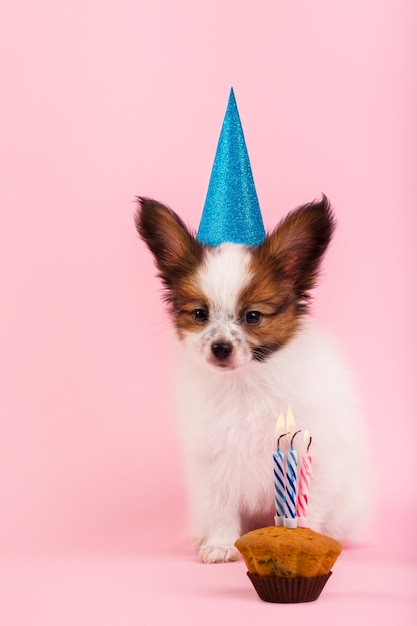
(290,419)
(280,427)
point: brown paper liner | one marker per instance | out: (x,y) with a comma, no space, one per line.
(286,590)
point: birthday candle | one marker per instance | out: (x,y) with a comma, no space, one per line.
(290,520)
(279,474)
(304,483)
(279,484)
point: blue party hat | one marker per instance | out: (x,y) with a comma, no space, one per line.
(231,211)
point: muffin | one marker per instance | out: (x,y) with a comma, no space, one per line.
(288,565)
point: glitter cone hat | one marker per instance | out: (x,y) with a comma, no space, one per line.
(231,211)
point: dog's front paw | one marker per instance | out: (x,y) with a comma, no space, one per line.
(209,553)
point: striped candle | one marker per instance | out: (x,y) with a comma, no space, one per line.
(290,520)
(279,484)
(304,483)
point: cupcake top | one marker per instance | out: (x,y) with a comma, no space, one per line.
(288,552)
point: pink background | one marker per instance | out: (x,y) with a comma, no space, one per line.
(101,101)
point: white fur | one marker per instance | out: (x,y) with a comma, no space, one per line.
(228,417)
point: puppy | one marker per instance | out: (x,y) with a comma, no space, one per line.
(248,348)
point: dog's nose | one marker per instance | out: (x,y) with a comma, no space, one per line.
(221,349)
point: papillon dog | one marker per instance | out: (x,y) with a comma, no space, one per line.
(248,349)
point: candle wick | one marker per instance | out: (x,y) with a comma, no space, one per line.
(280,437)
(309,444)
(292,438)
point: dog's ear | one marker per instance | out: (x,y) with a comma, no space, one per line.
(175,250)
(298,243)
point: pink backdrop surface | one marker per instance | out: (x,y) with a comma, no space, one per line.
(101,101)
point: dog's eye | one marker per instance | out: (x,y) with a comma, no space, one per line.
(200,315)
(253,317)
